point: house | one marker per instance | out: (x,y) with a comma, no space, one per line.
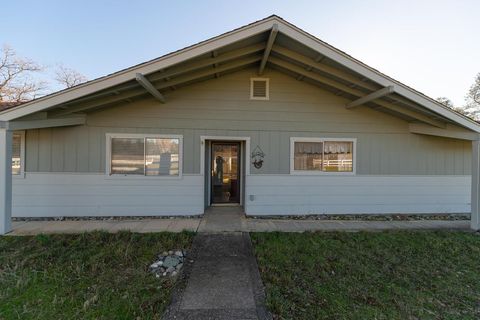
(266,116)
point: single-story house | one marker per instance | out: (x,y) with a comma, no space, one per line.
(266,117)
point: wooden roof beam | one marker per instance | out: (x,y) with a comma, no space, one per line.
(449,132)
(76,120)
(214,55)
(268,48)
(317,65)
(370,97)
(149,87)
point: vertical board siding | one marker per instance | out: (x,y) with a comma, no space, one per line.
(221,107)
(67,194)
(299,195)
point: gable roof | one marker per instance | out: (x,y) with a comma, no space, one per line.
(293,51)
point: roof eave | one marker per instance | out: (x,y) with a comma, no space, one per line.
(144,68)
(374,75)
(225,39)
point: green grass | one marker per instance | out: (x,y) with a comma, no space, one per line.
(390,275)
(88,276)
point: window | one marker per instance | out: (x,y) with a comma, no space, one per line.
(259,89)
(316,155)
(144,155)
(18,146)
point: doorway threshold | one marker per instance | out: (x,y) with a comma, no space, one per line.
(225,205)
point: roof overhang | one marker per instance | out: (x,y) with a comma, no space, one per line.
(269,42)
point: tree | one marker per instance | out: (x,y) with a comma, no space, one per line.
(448,103)
(68,77)
(18,81)
(472,100)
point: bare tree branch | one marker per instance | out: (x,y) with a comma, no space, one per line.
(17,83)
(69,77)
(472,99)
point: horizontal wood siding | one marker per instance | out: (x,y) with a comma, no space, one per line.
(221,107)
(70,194)
(289,194)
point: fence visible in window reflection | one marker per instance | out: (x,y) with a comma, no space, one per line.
(145,156)
(16,154)
(326,156)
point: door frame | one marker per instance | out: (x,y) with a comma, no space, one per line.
(239,155)
(205,163)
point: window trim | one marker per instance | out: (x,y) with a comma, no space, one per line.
(108,157)
(317,172)
(21,175)
(267,89)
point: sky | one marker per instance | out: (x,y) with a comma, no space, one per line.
(432,46)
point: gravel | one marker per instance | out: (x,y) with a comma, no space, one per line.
(106,218)
(372,217)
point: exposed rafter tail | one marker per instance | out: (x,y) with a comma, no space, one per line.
(370,97)
(147,85)
(268,48)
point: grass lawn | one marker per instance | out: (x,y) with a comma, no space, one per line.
(389,275)
(88,276)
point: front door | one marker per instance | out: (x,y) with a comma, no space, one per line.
(225,172)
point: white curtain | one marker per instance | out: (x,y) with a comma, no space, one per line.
(338,147)
(309,147)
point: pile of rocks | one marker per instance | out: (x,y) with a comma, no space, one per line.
(168,263)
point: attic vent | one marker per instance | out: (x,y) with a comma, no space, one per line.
(259,89)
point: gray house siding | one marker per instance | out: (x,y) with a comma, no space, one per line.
(221,107)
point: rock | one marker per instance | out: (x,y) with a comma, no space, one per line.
(179,253)
(165,253)
(174,273)
(170,269)
(170,252)
(164,274)
(159,263)
(171,261)
(179,266)
(157,275)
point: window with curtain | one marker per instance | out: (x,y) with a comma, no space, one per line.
(323,155)
(17,153)
(147,156)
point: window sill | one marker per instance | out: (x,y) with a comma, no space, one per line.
(18,176)
(139,177)
(321,173)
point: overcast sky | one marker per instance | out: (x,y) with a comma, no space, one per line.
(432,46)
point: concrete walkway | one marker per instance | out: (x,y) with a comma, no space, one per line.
(134,225)
(223,282)
(228,219)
